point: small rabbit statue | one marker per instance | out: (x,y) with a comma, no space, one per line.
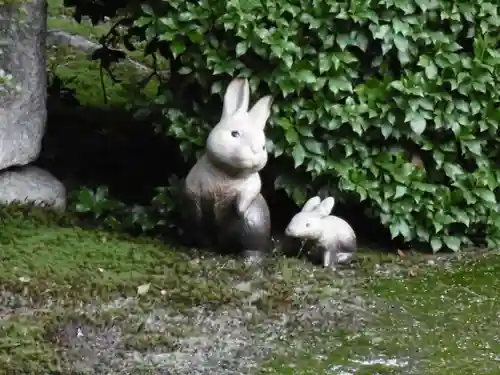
(329,234)
(226,209)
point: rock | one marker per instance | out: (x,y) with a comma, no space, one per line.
(23,110)
(23,113)
(31,184)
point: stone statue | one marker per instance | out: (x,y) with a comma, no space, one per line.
(226,209)
(330,235)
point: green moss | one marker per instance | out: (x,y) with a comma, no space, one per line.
(85,28)
(454,315)
(439,321)
(83,75)
(83,263)
(24,349)
(57,8)
(144,341)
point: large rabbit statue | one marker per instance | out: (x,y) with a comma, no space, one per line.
(328,234)
(226,209)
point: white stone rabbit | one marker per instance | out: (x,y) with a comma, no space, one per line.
(227,209)
(328,234)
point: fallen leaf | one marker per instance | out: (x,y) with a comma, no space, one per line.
(143,289)
(412,271)
(402,254)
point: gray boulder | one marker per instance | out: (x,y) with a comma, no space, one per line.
(31,184)
(23,111)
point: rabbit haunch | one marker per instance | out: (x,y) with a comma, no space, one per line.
(225,181)
(333,235)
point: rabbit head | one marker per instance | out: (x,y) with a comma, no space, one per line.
(237,144)
(308,224)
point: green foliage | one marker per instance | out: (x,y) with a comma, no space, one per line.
(79,73)
(98,206)
(395,103)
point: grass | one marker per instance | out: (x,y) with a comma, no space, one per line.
(89,301)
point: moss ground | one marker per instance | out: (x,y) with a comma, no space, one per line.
(443,320)
(77,300)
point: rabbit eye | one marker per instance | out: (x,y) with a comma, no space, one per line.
(308,225)
(235,133)
(264,148)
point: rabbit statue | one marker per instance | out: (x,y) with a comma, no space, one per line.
(226,209)
(329,234)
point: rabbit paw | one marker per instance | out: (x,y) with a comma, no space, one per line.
(247,195)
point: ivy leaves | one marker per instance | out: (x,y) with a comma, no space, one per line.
(395,102)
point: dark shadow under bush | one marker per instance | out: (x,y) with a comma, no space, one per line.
(94,147)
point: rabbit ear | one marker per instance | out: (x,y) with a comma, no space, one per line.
(325,207)
(236,98)
(311,204)
(261,111)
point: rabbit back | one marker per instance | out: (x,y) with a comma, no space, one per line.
(335,229)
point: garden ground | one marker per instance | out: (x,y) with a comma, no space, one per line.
(79,300)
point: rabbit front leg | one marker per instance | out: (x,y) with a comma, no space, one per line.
(247,194)
(329,260)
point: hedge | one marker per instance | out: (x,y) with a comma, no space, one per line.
(393,103)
